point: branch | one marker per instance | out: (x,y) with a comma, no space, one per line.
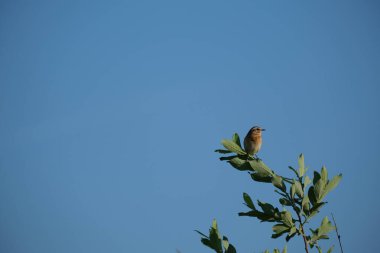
(337,233)
(303,233)
(300,221)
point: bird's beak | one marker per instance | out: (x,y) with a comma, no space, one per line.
(262,129)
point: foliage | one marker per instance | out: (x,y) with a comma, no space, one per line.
(301,199)
(215,241)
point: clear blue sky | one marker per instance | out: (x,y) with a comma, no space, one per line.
(110,112)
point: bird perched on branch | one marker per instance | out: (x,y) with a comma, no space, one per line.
(253,140)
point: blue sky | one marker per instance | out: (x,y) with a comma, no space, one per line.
(110,112)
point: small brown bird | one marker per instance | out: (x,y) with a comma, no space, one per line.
(253,140)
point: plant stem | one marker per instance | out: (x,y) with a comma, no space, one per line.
(288,180)
(337,233)
(300,221)
(303,234)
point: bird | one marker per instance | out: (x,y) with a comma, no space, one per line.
(253,141)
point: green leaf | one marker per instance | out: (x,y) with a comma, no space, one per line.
(259,215)
(260,178)
(286,217)
(316,177)
(248,201)
(306,182)
(212,241)
(266,207)
(298,188)
(319,249)
(231,249)
(240,164)
(227,158)
(215,238)
(277,182)
(292,231)
(276,251)
(305,203)
(236,139)
(290,236)
(324,175)
(280,228)
(274,236)
(266,251)
(332,184)
(261,168)
(222,151)
(285,250)
(319,187)
(293,190)
(214,224)
(330,249)
(315,209)
(226,244)
(322,231)
(325,227)
(301,165)
(233,147)
(285,202)
(207,242)
(312,197)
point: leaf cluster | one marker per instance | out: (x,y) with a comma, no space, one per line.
(301,197)
(215,241)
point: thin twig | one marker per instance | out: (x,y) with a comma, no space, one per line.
(288,180)
(300,221)
(303,235)
(302,231)
(337,233)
